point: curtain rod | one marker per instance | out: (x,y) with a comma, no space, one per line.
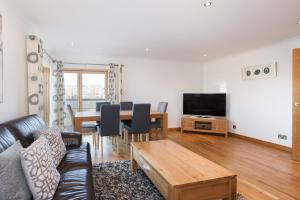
(49,56)
(73,63)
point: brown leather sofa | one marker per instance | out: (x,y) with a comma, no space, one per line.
(76,180)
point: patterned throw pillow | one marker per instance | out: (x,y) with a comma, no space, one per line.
(39,169)
(56,143)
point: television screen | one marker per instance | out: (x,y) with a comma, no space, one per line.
(204,104)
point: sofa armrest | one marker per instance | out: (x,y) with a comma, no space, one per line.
(71,138)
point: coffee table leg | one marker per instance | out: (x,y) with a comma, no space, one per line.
(233,188)
(134,164)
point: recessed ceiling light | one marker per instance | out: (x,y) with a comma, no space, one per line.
(208,4)
(298,22)
(204,55)
(147,50)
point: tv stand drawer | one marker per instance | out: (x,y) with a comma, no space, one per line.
(207,125)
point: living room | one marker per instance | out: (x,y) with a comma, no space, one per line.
(148,53)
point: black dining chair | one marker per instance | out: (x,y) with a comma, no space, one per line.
(98,108)
(126,105)
(100,104)
(157,123)
(140,124)
(110,124)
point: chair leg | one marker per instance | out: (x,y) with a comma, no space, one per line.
(94,144)
(132,137)
(117,142)
(126,137)
(102,147)
(97,140)
(147,137)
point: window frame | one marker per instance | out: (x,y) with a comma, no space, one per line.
(79,73)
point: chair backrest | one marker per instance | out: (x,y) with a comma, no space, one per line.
(99,105)
(140,122)
(126,105)
(71,113)
(110,120)
(162,107)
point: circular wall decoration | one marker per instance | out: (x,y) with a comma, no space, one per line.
(33,99)
(32,57)
(248,73)
(257,72)
(266,70)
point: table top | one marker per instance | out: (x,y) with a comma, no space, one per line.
(122,113)
(178,165)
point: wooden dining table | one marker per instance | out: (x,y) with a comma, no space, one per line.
(93,116)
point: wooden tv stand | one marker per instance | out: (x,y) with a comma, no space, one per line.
(218,125)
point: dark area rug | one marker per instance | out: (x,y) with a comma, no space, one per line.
(115,181)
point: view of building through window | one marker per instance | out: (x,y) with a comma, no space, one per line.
(84,89)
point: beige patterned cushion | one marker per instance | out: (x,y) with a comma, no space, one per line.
(56,143)
(39,169)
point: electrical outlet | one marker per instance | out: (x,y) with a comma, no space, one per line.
(282,137)
(234,126)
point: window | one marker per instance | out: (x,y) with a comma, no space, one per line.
(84,88)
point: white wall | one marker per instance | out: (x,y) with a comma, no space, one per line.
(151,81)
(14,63)
(259,108)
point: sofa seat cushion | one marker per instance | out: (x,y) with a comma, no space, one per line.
(75,184)
(76,158)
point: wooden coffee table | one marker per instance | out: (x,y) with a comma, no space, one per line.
(180,174)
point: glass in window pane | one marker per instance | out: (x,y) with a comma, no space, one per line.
(71,81)
(93,90)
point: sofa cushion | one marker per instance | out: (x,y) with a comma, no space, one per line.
(76,158)
(6,138)
(39,169)
(12,181)
(23,128)
(75,184)
(58,148)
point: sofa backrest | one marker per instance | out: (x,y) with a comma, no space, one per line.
(6,138)
(22,128)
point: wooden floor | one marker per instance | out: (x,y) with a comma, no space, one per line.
(263,172)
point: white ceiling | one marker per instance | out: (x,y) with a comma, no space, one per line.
(172,29)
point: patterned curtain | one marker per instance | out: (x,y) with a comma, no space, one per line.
(58,103)
(35,75)
(115,83)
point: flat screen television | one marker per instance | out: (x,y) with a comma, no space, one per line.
(204,104)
